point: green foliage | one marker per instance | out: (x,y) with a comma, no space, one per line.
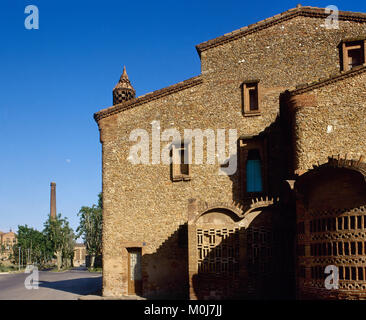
(60,239)
(7,268)
(32,246)
(90,227)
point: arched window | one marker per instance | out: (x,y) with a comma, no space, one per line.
(254,171)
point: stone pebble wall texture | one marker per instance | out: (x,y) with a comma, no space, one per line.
(334,125)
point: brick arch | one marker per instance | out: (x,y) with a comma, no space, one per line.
(331,219)
(197,209)
(335,162)
(256,208)
(339,183)
(214,232)
(205,237)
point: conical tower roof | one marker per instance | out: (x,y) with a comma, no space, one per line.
(123,90)
(124,81)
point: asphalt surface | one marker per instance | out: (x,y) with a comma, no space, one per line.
(69,285)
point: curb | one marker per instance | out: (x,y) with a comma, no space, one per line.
(94,297)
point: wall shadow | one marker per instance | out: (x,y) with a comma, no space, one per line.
(165,272)
(265,272)
(80,286)
(276,163)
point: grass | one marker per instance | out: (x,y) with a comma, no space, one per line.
(8,268)
(61,269)
(95,269)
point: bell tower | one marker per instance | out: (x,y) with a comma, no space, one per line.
(123,90)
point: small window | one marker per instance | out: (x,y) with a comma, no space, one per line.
(251,98)
(180,164)
(353,54)
(254,171)
(253,166)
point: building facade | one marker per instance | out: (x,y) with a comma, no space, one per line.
(7,241)
(79,255)
(293,89)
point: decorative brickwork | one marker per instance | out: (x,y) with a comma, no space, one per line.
(332,235)
(123,91)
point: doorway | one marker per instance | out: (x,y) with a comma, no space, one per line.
(134,271)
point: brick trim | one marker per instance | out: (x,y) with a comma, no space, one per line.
(307,11)
(197,208)
(334,162)
(148,97)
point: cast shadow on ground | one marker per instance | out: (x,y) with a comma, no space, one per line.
(79,286)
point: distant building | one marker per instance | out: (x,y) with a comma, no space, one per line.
(79,255)
(8,239)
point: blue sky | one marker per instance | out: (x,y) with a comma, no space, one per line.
(53,79)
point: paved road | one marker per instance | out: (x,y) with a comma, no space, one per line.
(69,285)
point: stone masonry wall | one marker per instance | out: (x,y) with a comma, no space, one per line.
(334,124)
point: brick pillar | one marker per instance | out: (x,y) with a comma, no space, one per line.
(53,200)
(192,246)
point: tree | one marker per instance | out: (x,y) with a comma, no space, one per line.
(60,239)
(90,228)
(32,245)
(68,244)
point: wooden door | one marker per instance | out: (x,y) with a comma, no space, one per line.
(134,271)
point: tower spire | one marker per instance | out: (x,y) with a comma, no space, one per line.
(123,90)
(124,74)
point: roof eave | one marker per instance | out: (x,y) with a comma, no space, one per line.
(286,15)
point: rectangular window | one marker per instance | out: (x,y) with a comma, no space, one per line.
(347,273)
(180,162)
(352,222)
(335,248)
(353,54)
(346,249)
(340,248)
(359,222)
(341,277)
(359,248)
(360,273)
(254,171)
(251,98)
(253,166)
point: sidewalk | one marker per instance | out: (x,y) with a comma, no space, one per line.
(98,297)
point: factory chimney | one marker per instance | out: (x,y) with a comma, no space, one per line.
(53,200)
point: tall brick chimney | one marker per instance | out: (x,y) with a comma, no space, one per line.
(53,200)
